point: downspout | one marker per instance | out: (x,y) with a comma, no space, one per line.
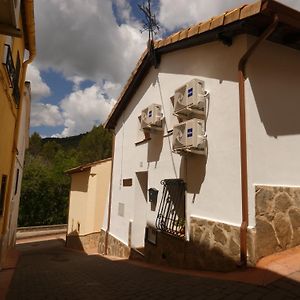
(110,196)
(243,138)
(30,30)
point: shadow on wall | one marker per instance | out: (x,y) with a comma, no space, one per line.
(155,146)
(138,95)
(192,171)
(73,241)
(276,89)
(80,182)
(188,254)
(212,60)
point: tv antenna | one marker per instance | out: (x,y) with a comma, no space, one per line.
(150,24)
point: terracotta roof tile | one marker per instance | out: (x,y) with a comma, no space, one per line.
(183,34)
(159,44)
(232,16)
(175,37)
(250,10)
(217,21)
(156,43)
(204,26)
(193,30)
(167,41)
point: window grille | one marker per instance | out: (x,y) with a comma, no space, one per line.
(13,72)
(171,213)
(16,90)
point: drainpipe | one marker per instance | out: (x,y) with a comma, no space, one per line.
(30,30)
(110,194)
(243,139)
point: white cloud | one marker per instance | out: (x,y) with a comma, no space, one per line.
(83,109)
(82,38)
(39,88)
(185,13)
(45,115)
(123,10)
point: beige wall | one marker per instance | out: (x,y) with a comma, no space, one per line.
(88,197)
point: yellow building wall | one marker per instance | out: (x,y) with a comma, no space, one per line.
(78,201)
(8,120)
(88,197)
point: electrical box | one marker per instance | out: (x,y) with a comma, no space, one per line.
(190,99)
(153,193)
(151,117)
(190,136)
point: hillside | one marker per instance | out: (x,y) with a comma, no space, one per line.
(45,187)
(67,142)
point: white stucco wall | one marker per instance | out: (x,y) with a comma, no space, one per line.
(218,197)
(213,186)
(273,123)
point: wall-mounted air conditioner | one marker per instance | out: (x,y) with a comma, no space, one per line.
(190,136)
(190,99)
(151,117)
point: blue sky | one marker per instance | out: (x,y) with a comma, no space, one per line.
(87,49)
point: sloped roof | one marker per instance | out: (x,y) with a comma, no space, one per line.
(85,167)
(251,19)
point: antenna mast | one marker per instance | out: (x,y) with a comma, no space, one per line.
(150,23)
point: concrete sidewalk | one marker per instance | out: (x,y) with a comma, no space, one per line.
(47,270)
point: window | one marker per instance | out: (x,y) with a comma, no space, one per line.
(16,90)
(17,181)
(171,213)
(13,72)
(2,193)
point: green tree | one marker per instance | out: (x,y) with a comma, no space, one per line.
(35,144)
(45,186)
(95,145)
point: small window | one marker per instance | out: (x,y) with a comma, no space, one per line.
(17,181)
(2,193)
(121,209)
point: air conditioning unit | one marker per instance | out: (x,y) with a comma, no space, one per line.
(190,136)
(151,117)
(190,99)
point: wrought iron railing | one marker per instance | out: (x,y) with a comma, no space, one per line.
(13,73)
(171,212)
(9,64)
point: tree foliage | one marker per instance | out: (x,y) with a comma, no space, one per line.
(45,186)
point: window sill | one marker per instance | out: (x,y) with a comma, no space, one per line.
(143,141)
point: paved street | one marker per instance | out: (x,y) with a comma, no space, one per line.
(47,270)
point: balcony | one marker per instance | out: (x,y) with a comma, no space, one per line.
(9,14)
(13,72)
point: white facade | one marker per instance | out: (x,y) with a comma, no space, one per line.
(213,182)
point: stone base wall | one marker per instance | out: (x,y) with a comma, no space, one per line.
(83,242)
(212,246)
(277,217)
(114,248)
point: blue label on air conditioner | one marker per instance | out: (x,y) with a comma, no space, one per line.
(150,113)
(190,92)
(190,132)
